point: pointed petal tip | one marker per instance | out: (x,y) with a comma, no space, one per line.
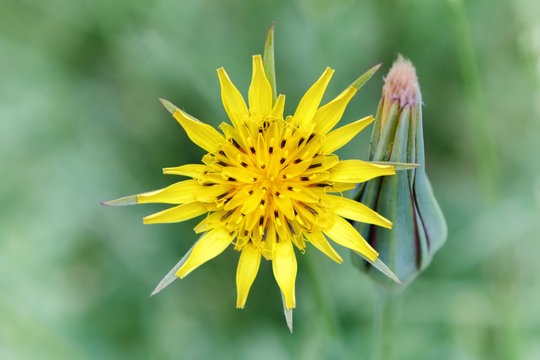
(288,313)
(397,165)
(123,201)
(168,105)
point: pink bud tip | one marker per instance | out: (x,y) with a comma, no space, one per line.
(401,83)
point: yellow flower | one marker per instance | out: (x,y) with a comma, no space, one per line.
(266,184)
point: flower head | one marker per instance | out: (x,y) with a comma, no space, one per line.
(269,184)
(419,227)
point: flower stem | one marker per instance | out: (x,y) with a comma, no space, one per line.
(387,322)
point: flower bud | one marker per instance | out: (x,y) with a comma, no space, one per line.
(419,228)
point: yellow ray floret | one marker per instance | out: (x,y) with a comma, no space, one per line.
(266,183)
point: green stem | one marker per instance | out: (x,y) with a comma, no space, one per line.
(387,323)
(472,85)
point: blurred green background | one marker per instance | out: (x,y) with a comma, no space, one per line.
(80,123)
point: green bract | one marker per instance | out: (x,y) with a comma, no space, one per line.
(419,228)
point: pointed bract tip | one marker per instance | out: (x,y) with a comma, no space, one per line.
(270,31)
(379,265)
(123,201)
(168,105)
(358,83)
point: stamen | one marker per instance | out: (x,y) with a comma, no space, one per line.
(221,152)
(222,163)
(227,215)
(222,195)
(283,142)
(244,164)
(291,229)
(236,145)
(313,166)
(313,211)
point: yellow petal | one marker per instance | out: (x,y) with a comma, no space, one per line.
(233,102)
(248,266)
(191,170)
(183,192)
(285,267)
(208,247)
(277,110)
(260,92)
(319,241)
(311,100)
(356,211)
(329,115)
(346,235)
(339,137)
(177,193)
(357,171)
(200,133)
(177,213)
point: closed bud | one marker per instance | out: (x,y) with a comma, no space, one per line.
(407,198)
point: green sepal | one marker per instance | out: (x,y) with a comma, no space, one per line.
(406,198)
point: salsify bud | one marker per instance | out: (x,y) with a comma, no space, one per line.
(407,198)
